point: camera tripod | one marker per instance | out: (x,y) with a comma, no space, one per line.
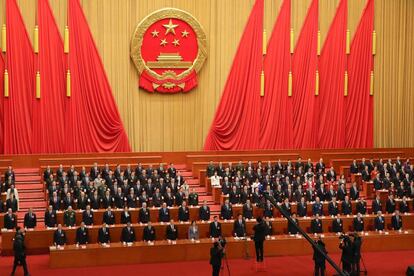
(227,263)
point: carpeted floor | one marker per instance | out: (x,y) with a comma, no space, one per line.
(378,263)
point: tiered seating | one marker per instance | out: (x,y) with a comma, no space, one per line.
(38,241)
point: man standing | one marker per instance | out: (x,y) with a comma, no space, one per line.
(30,219)
(50,217)
(69,218)
(103,234)
(128,234)
(215,228)
(259,237)
(19,251)
(239,227)
(319,258)
(204,212)
(59,237)
(10,220)
(216,254)
(82,236)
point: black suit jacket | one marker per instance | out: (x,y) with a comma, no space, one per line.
(30,221)
(104,236)
(204,213)
(124,218)
(379,223)
(183,214)
(164,215)
(144,215)
(337,226)
(128,235)
(82,236)
(259,232)
(239,229)
(215,231)
(316,226)
(59,238)
(396,223)
(109,218)
(358,225)
(50,219)
(87,218)
(149,234)
(226,213)
(291,228)
(172,233)
(10,222)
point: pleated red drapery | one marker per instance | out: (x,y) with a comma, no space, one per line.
(359,103)
(236,124)
(1,104)
(92,118)
(331,66)
(49,129)
(276,130)
(304,72)
(18,107)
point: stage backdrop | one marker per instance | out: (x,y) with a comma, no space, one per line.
(181,122)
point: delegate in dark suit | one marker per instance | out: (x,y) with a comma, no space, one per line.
(128,234)
(204,213)
(316,226)
(396,222)
(239,228)
(59,237)
(10,221)
(337,225)
(30,220)
(172,232)
(104,235)
(50,218)
(82,235)
(149,233)
(215,229)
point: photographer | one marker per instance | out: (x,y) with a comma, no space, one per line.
(216,254)
(259,237)
(356,248)
(19,251)
(347,253)
(319,258)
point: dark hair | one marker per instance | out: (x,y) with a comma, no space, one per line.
(259,219)
(18,228)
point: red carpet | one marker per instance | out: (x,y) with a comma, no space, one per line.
(378,263)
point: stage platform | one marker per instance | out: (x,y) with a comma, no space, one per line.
(185,250)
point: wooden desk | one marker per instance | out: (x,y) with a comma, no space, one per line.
(39,240)
(98,215)
(185,250)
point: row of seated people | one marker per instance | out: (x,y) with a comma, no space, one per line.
(332,209)
(215,229)
(300,168)
(8,179)
(110,177)
(97,200)
(102,192)
(400,177)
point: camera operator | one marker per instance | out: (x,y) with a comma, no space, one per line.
(216,254)
(319,258)
(347,253)
(19,251)
(356,248)
(259,237)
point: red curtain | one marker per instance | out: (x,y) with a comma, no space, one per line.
(276,131)
(331,66)
(359,103)
(18,106)
(304,72)
(236,124)
(93,123)
(49,129)
(1,104)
